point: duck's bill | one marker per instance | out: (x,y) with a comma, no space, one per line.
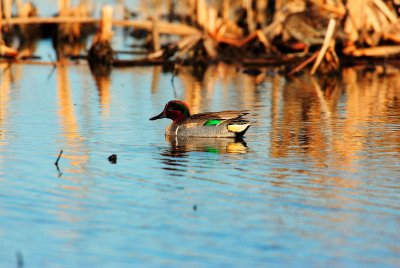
(160,116)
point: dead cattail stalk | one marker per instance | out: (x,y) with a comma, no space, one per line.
(212,20)
(325,45)
(106,23)
(6,12)
(304,63)
(1,23)
(201,12)
(63,6)
(100,52)
(261,6)
(210,48)
(381,51)
(384,8)
(225,9)
(247,5)
(5,50)
(7,9)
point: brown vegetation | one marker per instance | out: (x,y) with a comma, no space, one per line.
(298,33)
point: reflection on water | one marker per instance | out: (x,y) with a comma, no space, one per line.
(77,155)
(210,145)
(103,84)
(333,122)
(316,175)
(4,99)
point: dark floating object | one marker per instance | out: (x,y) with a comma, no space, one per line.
(112,159)
(194,207)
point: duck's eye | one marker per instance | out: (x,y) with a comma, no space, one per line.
(171,109)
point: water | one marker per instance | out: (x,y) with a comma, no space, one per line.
(316,183)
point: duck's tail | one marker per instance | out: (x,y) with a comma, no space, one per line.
(239,128)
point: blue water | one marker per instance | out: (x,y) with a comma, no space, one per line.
(316,183)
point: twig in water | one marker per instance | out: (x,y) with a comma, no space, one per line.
(58,158)
(54,66)
(52,60)
(56,164)
(51,72)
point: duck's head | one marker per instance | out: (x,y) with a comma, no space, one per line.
(175,110)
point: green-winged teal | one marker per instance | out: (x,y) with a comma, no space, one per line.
(212,124)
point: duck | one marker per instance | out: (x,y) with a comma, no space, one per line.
(224,124)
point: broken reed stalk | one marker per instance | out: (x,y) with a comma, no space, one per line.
(325,45)
(385,10)
(304,63)
(58,158)
(201,9)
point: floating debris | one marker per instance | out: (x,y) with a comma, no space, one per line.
(112,159)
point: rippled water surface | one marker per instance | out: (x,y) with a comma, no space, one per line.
(315,184)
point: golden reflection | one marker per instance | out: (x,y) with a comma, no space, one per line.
(200,84)
(296,121)
(76,154)
(315,118)
(103,84)
(156,78)
(191,78)
(327,118)
(5,84)
(372,97)
(211,145)
(74,151)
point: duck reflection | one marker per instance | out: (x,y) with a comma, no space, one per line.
(175,157)
(181,145)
